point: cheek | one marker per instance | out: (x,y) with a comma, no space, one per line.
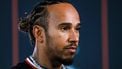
(62,38)
(59,40)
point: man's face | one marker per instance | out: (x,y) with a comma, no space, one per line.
(63,32)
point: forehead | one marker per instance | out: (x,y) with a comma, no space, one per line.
(63,12)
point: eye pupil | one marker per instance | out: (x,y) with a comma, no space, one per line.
(78,29)
(65,28)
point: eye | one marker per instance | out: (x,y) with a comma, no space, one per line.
(78,28)
(64,27)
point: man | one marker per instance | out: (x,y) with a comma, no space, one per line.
(53,27)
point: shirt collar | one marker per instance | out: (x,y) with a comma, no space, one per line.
(31,61)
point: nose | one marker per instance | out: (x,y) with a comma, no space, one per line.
(73,36)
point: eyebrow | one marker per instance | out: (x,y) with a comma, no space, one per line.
(68,24)
(65,24)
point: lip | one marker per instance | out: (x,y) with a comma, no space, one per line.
(72,49)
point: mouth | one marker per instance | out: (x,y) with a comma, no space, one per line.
(72,49)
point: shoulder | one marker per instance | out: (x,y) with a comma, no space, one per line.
(22,65)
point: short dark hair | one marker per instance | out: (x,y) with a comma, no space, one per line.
(38,16)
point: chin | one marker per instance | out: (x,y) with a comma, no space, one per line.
(67,60)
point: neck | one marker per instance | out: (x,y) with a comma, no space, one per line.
(43,59)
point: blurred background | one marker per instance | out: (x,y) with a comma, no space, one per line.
(100,44)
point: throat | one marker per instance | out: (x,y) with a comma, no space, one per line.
(46,62)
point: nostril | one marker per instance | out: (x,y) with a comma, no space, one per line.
(73,40)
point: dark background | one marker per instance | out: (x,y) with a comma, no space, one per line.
(90,48)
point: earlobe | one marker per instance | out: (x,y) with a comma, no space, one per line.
(38,33)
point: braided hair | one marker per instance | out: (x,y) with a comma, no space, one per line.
(38,16)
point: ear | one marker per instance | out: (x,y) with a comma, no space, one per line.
(38,33)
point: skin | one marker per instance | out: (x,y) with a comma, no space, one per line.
(60,42)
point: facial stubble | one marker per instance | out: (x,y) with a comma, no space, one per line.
(56,56)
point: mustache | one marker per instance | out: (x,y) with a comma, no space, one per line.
(72,44)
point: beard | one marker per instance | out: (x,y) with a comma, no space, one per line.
(56,56)
(68,61)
